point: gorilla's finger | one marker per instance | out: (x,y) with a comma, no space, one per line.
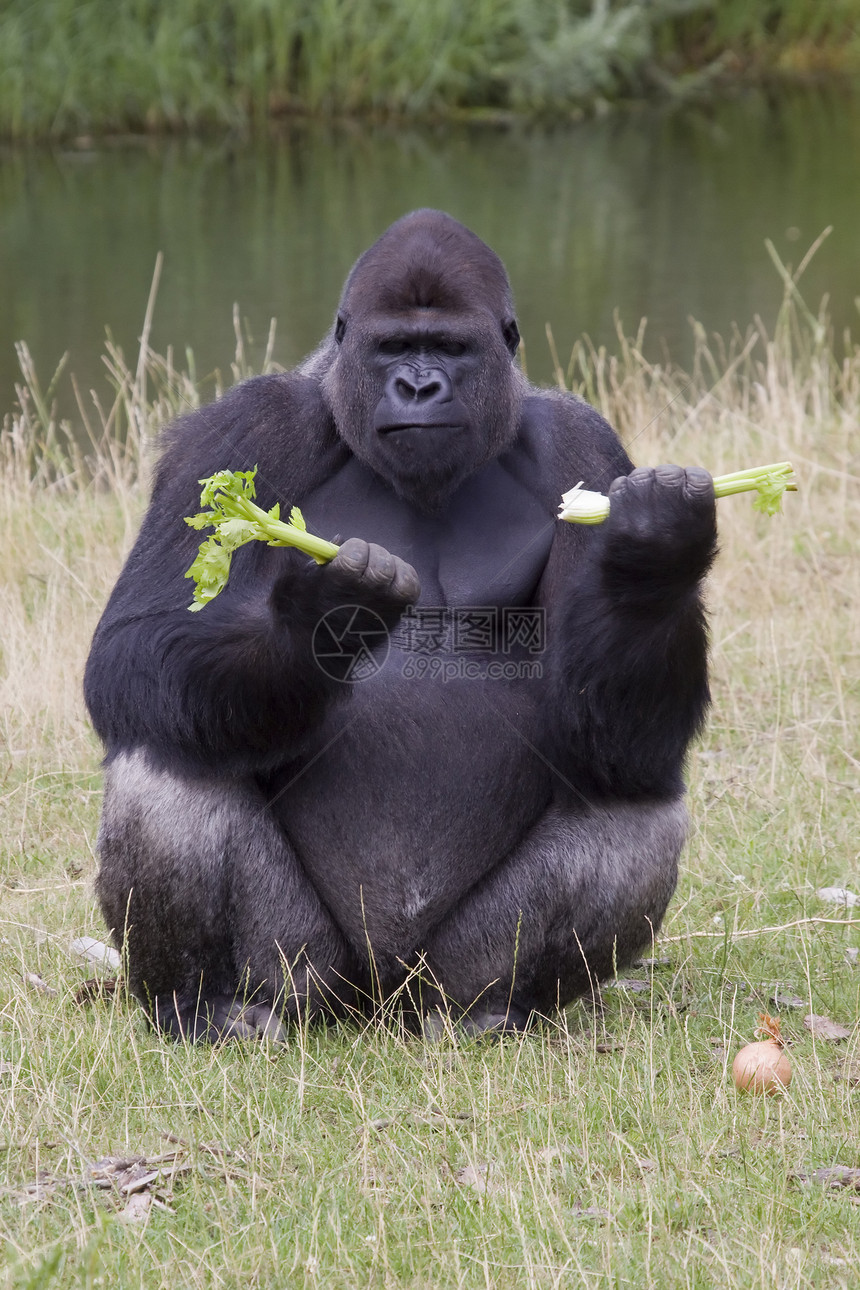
(406,585)
(641,477)
(669,476)
(698,482)
(381,566)
(352,558)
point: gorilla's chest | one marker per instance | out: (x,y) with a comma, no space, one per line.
(422,777)
(487,547)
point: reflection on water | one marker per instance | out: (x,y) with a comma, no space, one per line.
(654,215)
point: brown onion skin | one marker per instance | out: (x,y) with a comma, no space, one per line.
(762,1067)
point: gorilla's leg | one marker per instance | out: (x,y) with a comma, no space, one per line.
(224,932)
(581,895)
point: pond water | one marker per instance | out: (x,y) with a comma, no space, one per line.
(654,214)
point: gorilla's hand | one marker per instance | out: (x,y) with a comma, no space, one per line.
(373,575)
(662,527)
(360,574)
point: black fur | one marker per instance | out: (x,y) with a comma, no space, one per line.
(274,841)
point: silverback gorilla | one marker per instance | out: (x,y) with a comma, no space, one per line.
(486,816)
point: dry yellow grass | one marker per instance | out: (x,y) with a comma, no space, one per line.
(618,1151)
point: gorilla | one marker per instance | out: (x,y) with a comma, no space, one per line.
(444,770)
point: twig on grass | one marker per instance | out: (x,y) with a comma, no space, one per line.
(748,932)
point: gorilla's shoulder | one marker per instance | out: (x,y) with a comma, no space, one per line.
(278,422)
(566,434)
(249,409)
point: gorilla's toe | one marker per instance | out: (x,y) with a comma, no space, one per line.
(435,1025)
(210,1021)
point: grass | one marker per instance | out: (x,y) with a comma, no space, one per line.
(76,66)
(610,1149)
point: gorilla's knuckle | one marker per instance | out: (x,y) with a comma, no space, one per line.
(354,551)
(698,482)
(380,567)
(669,476)
(350,562)
(406,583)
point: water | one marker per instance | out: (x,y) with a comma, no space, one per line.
(651,214)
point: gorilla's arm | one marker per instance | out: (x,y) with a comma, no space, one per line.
(626,632)
(234,686)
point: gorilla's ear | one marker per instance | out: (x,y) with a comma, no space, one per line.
(511,333)
(340,328)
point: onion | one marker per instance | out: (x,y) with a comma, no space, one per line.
(763,1067)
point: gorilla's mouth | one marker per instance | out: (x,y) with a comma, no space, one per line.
(420,426)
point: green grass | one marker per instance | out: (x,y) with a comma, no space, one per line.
(78,66)
(782,31)
(617,1151)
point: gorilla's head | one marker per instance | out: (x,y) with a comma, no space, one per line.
(419,371)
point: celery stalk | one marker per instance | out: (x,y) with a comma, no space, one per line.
(237,519)
(581,506)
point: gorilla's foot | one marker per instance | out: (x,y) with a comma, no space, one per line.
(512,1021)
(211,1021)
(255,1021)
(436,1024)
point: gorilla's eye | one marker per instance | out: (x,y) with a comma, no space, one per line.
(394,345)
(453,348)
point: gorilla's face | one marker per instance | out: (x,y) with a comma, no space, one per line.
(423,386)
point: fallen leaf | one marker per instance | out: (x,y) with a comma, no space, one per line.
(590,1211)
(33,979)
(437,1111)
(627,983)
(137,1208)
(114,1171)
(838,896)
(472,1176)
(479,1179)
(783,999)
(215,1149)
(125,1176)
(96,952)
(550,1153)
(824,1028)
(43,1186)
(851,954)
(141,1183)
(850,1072)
